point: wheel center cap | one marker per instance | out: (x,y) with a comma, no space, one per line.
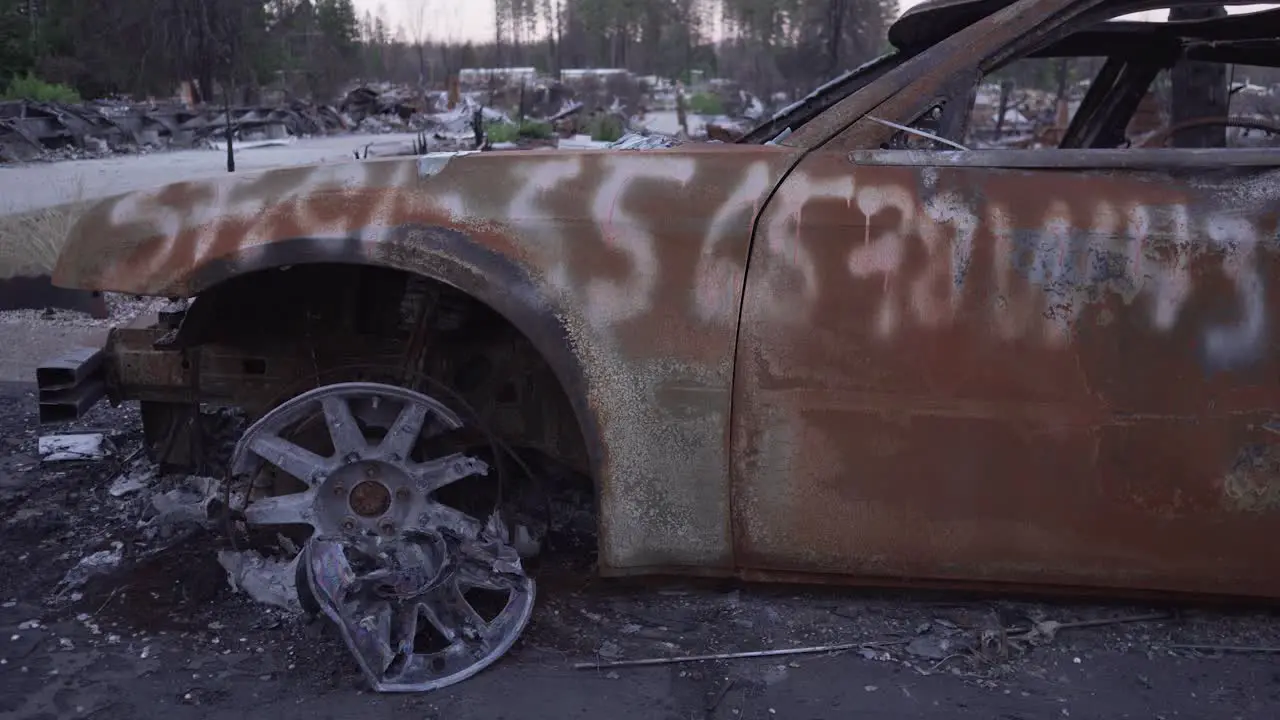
(370,499)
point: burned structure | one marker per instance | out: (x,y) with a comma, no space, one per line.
(847,347)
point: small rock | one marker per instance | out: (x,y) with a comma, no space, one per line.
(96,145)
(83,446)
(99,563)
(126,484)
(929,646)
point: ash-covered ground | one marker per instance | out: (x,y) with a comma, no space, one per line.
(161,632)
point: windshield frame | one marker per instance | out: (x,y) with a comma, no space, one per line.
(793,116)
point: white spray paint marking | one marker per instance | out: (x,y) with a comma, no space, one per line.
(1011,314)
(947,263)
(1053,272)
(782,240)
(611,301)
(718,278)
(378,219)
(524,213)
(164,221)
(1166,279)
(231,200)
(1044,283)
(453,204)
(884,255)
(948,266)
(1229,346)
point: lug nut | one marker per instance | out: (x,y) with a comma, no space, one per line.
(387,527)
(349,524)
(371,471)
(403,494)
(339,490)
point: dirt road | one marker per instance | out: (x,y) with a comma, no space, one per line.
(163,635)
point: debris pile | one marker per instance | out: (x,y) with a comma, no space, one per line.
(359,564)
(603,104)
(39,130)
(364,103)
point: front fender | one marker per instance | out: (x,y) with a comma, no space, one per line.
(625,269)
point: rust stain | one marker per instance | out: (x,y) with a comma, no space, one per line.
(1010,375)
(1253,484)
(1029,375)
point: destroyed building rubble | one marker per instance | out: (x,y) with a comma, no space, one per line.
(30,129)
(574,106)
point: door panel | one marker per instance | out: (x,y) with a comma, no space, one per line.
(1012,375)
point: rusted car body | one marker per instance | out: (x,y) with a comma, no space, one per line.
(838,355)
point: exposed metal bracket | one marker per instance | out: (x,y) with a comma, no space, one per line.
(920,133)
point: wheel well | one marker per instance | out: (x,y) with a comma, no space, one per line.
(342,322)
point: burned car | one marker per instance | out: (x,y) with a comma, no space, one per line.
(847,348)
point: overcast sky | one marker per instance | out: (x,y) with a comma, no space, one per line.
(462,19)
(451,19)
(473,19)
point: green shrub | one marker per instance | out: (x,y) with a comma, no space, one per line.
(605,128)
(501,132)
(535,130)
(705,104)
(30,87)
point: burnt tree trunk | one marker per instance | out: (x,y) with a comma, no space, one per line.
(1199,90)
(1006,88)
(835,20)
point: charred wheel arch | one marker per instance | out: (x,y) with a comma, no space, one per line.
(256,340)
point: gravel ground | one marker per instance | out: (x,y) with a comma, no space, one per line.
(121,309)
(163,632)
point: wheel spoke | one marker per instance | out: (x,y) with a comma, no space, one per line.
(404,628)
(435,474)
(295,509)
(297,461)
(373,631)
(448,610)
(404,432)
(344,429)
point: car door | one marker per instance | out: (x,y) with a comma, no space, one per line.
(1030,366)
